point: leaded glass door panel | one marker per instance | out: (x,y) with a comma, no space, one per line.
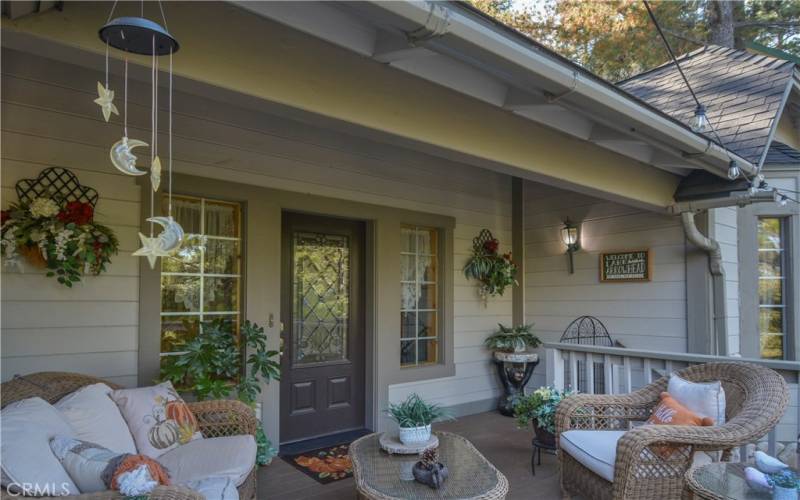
(322,390)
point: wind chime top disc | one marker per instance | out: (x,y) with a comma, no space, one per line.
(135,35)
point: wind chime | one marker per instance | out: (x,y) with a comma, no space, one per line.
(138,35)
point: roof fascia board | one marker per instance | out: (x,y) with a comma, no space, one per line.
(778,114)
(564,75)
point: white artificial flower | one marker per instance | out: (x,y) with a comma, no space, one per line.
(43,207)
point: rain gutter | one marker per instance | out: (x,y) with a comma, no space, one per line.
(502,42)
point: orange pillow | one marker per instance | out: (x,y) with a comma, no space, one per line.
(670,412)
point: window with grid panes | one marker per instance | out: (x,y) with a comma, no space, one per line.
(203,280)
(419,308)
(772,286)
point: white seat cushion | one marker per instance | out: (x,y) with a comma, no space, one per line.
(95,418)
(595,450)
(27,462)
(229,456)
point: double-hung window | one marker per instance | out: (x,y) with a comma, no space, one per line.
(772,282)
(203,280)
(419,303)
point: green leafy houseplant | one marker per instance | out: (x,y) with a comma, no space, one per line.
(540,407)
(493,270)
(513,339)
(211,366)
(415,412)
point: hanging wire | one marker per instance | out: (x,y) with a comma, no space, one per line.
(170,132)
(163,17)
(125,118)
(152,129)
(106,64)
(689,86)
(114,6)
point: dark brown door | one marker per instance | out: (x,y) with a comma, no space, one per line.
(322,379)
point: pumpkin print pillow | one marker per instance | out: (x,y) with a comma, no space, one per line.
(158,418)
(670,412)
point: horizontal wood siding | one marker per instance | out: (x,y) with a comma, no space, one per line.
(648,315)
(49,119)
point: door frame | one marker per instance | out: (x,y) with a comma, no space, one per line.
(262,211)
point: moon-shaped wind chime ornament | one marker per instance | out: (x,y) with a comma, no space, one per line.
(137,35)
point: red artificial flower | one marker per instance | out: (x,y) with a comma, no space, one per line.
(76,212)
(4,216)
(491,246)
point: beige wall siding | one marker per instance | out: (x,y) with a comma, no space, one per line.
(640,315)
(725,231)
(49,120)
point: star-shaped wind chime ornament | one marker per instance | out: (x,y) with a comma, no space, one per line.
(106,101)
(137,35)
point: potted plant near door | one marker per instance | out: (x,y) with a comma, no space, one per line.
(211,366)
(514,362)
(539,408)
(415,416)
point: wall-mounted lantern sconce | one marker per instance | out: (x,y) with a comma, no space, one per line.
(570,235)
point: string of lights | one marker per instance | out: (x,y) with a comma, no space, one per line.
(701,124)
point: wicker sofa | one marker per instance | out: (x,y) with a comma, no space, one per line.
(756,399)
(216,418)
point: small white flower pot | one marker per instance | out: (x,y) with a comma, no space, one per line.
(415,435)
(779,493)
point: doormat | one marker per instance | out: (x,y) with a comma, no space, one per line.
(326,465)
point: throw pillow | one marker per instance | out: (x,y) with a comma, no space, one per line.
(29,467)
(214,488)
(707,399)
(671,412)
(95,469)
(157,417)
(95,418)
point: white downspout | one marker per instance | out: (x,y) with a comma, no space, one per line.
(712,248)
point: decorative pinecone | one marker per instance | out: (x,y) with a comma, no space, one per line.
(429,458)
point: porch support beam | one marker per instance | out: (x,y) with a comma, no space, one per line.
(518,315)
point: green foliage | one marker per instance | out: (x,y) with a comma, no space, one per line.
(414,412)
(541,406)
(69,246)
(509,339)
(616,39)
(784,479)
(494,271)
(212,365)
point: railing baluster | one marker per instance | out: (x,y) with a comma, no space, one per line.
(667,368)
(589,364)
(554,370)
(648,372)
(573,370)
(771,442)
(608,383)
(626,366)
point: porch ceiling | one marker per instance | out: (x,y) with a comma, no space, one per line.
(229,48)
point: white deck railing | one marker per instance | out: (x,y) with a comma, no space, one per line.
(616,370)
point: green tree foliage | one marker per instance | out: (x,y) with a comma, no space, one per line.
(616,39)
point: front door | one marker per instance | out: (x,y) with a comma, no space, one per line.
(322,367)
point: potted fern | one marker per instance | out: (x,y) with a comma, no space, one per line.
(513,339)
(414,416)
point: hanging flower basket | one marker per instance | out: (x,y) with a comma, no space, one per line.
(61,237)
(493,270)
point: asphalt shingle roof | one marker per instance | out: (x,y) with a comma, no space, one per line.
(741,91)
(781,154)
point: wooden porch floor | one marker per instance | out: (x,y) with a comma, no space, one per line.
(496,436)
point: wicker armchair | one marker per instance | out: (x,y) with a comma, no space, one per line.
(216,418)
(756,398)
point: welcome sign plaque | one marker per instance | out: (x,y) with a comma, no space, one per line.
(633,265)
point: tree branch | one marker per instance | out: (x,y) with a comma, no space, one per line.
(684,37)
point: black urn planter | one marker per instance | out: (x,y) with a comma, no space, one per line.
(433,477)
(543,436)
(515,370)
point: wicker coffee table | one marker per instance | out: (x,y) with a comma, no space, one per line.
(379,475)
(722,481)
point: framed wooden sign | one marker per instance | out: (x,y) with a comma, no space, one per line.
(631,265)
